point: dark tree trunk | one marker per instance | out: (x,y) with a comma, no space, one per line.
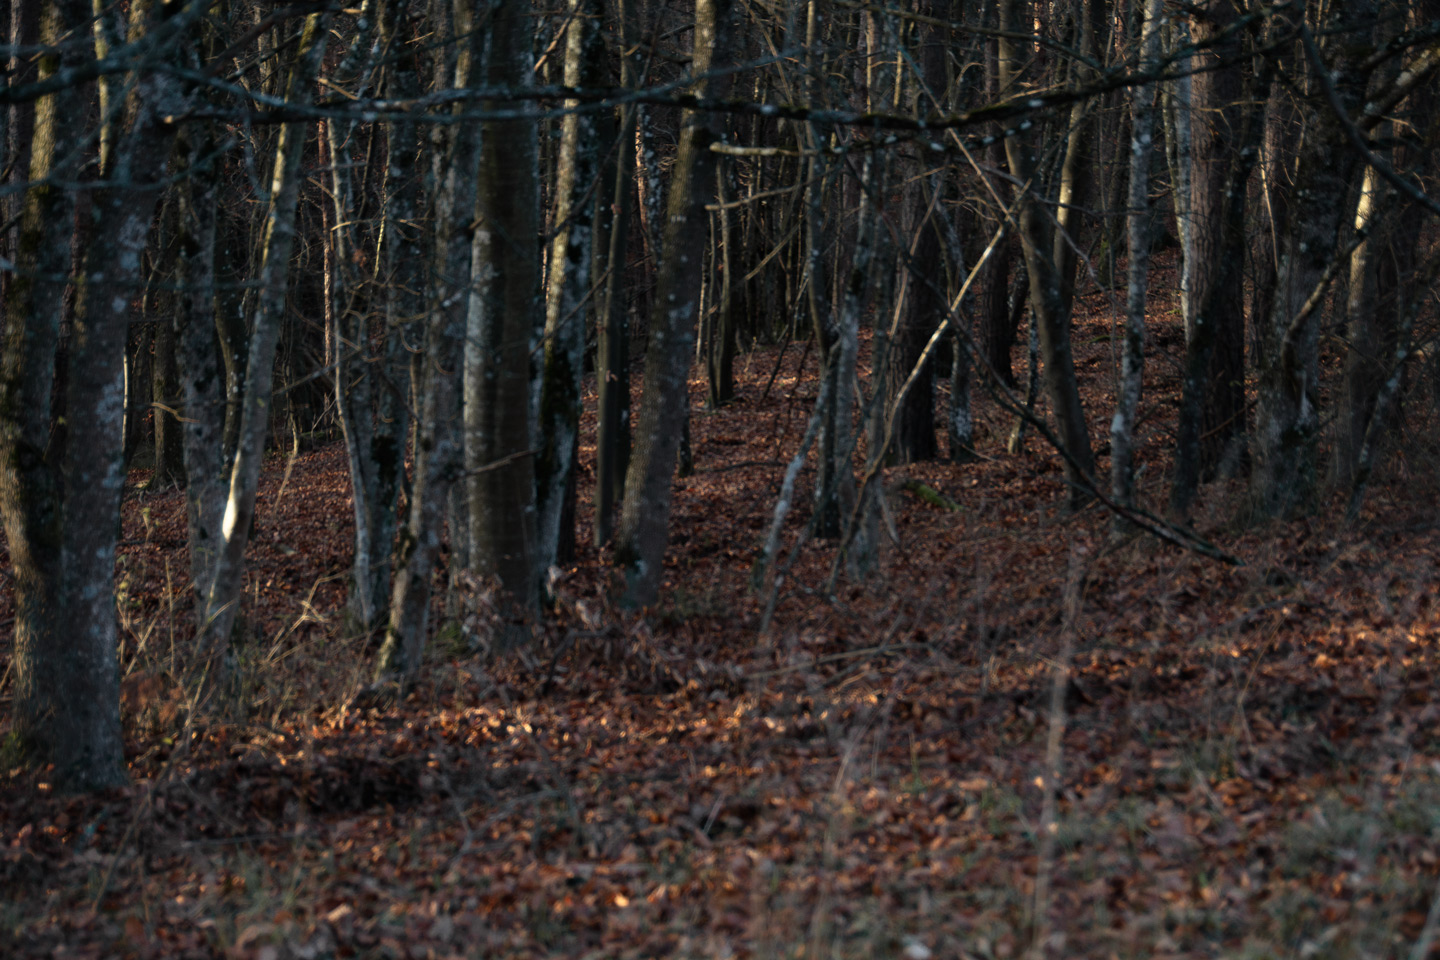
(645,520)
(1212,403)
(1050,287)
(437,452)
(1287,417)
(61,503)
(505,324)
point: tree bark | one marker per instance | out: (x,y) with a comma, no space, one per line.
(1050,293)
(644,521)
(371,384)
(222,595)
(1287,417)
(505,323)
(61,502)
(1142,144)
(569,293)
(438,455)
(612,352)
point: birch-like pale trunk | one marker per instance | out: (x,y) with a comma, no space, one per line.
(1180,153)
(1132,362)
(222,595)
(569,292)
(60,493)
(645,517)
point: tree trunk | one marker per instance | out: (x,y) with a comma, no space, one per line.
(1179,150)
(61,502)
(437,451)
(569,293)
(1212,390)
(370,385)
(165,397)
(720,344)
(913,438)
(203,381)
(612,351)
(222,596)
(644,522)
(505,323)
(1050,293)
(1122,428)
(1287,417)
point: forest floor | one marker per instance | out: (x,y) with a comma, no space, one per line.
(1248,756)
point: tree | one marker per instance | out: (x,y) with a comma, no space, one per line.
(1212,391)
(570,259)
(222,589)
(640,540)
(437,451)
(369,320)
(505,323)
(1142,144)
(61,469)
(1050,264)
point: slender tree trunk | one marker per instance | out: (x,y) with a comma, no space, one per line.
(566,302)
(612,352)
(203,381)
(372,385)
(720,344)
(165,384)
(644,522)
(222,596)
(437,454)
(1122,428)
(913,437)
(1179,141)
(1287,413)
(1049,292)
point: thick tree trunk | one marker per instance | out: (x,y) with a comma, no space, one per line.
(506,321)
(1213,388)
(1217,291)
(645,520)
(61,501)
